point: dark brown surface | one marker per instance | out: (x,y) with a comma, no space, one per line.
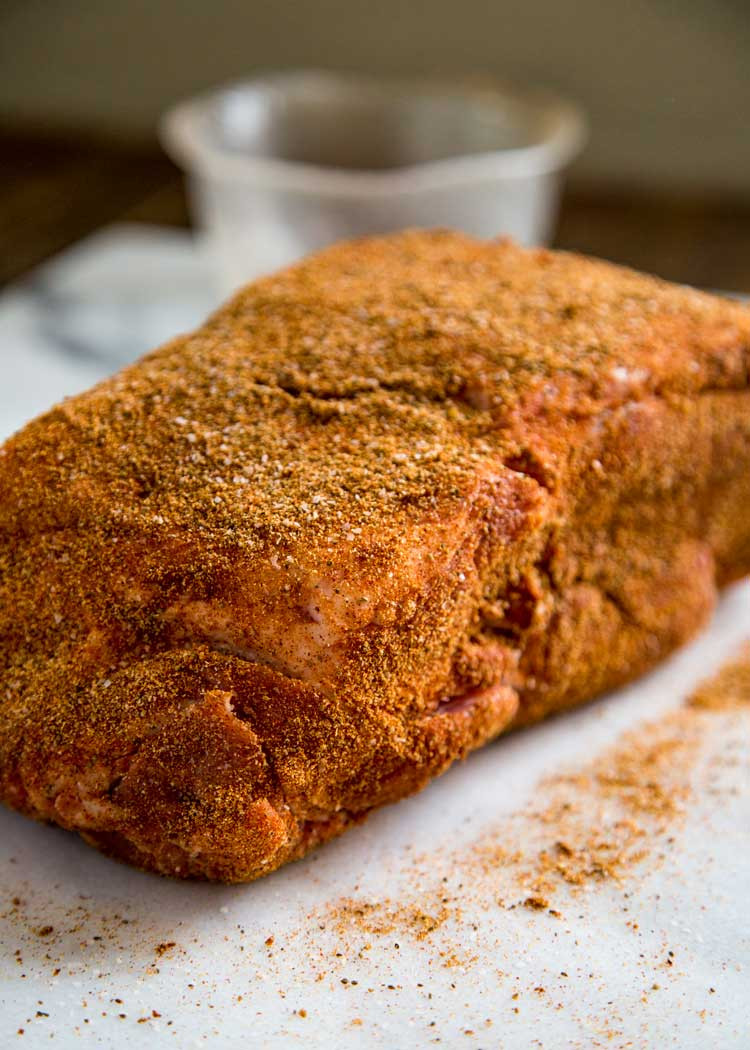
(700,240)
(54,191)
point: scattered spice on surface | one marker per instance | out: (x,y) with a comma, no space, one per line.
(600,823)
(537,903)
(383,917)
(727,689)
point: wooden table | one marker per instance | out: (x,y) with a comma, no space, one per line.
(55,190)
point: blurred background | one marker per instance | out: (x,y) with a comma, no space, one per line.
(663,184)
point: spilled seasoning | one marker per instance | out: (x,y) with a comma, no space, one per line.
(727,689)
(603,823)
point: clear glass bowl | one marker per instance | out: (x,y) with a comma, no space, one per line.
(283,164)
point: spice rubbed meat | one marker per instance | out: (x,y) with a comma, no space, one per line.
(401,497)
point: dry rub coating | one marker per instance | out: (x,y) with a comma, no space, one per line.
(381,507)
